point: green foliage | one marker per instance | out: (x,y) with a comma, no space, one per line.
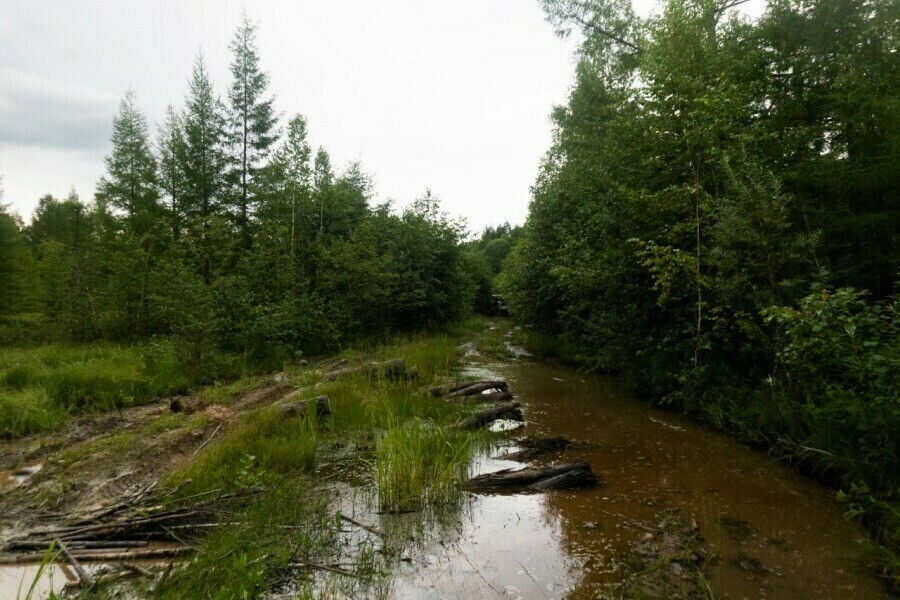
(710,177)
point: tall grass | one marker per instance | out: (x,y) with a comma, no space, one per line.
(419,463)
(41,386)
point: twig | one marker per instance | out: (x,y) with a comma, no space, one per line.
(83,576)
(309,565)
(363,526)
(209,439)
(135,569)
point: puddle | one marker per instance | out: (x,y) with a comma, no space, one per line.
(776,534)
(16,477)
(16,582)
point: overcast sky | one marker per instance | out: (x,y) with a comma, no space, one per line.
(454,96)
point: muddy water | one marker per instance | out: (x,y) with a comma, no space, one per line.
(773,533)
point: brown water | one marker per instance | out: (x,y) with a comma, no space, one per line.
(775,534)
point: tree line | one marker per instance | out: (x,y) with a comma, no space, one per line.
(227,231)
(717,220)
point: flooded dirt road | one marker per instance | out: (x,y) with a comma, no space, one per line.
(771,532)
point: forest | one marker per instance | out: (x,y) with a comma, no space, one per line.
(716,225)
(718,221)
(224,235)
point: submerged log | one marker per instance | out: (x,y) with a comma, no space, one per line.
(392,370)
(555,477)
(290,406)
(477,387)
(453,388)
(507,410)
(92,556)
(491,397)
(533,447)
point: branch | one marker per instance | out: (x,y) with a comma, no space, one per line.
(610,34)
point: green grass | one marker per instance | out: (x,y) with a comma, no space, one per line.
(416,465)
(41,386)
(287,523)
(419,464)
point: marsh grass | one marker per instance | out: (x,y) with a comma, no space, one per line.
(41,386)
(491,341)
(419,463)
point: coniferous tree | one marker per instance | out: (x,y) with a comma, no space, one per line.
(205,161)
(253,120)
(292,163)
(323,181)
(171,149)
(130,184)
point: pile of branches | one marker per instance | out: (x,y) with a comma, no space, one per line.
(144,525)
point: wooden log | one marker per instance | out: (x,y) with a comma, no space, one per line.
(563,476)
(533,447)
(443,390)
(291,407)
(492,397)
(477,388)
(83,577)
(93,556)
(506,410)
(76,545)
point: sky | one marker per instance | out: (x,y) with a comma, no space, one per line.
(452,96)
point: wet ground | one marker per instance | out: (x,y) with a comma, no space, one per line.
(771,533)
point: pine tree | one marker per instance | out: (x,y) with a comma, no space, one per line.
(130,183)
(253,119)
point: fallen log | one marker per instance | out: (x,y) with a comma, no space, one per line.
(507,410)
(443,390)
(392,370)
(291,407)
(555,477)
(533,447)
(490,397)
(92,556)
(477,388)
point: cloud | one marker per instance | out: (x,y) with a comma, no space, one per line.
(35,111)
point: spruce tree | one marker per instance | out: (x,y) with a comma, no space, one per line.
(171,149)
(205,160)
(253,120)
(130,182)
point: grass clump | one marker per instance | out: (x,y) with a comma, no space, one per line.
(27,411)
(419,463)
(262,449)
